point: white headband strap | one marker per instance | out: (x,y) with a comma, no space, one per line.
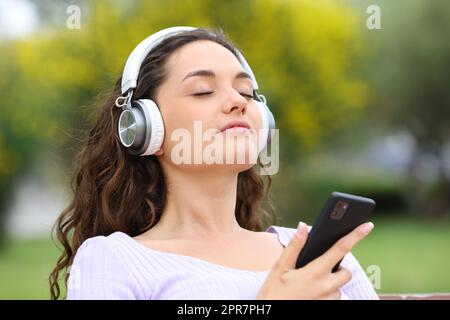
(137,56)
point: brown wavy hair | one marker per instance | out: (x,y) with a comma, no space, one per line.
(116,191)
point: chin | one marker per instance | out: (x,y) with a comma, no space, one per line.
(243,154)
(238,156)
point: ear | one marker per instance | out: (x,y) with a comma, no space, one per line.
(159,152)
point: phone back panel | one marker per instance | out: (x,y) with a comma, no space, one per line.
(329,227)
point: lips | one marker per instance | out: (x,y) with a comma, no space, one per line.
(235,124)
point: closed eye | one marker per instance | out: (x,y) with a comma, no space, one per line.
(202,93)
(250,96)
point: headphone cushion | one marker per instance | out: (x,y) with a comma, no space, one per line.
(154,126)
(263,134)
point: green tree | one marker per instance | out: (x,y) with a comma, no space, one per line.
(410,73)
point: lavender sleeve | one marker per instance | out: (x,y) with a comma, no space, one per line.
(98,272)
(359,287)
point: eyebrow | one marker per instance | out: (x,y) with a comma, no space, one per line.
(209,73)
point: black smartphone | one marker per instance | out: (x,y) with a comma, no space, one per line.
(341,214)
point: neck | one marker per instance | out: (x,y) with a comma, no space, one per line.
(199,204)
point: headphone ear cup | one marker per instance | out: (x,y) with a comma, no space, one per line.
(141,129)
(131,129)
(268,123)
(154,127)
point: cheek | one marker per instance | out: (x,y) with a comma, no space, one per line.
(173,114)
(190,119)
(255,116)
(184,118)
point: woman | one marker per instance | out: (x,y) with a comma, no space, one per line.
(151,227)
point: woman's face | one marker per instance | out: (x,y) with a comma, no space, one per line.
(205,89)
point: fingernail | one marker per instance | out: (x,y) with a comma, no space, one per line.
(301,228)
(367,227)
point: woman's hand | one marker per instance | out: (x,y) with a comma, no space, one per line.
(315,280)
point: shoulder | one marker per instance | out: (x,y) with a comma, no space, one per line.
(98,245)
(98,248)
(99,271)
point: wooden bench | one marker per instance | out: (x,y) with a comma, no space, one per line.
(415,296)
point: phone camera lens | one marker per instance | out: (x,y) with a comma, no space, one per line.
(339,210)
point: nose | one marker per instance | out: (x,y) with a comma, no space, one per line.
(236,103)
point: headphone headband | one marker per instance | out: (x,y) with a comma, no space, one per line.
(137,56)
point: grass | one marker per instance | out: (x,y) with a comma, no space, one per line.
(24,268)
(413,256)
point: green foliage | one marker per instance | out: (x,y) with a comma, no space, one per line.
(301,193)
(409,72)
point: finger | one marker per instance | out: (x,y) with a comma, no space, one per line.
(290,254)
(330,258)
(335,295)
(341,277)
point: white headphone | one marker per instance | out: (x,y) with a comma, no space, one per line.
(140,126)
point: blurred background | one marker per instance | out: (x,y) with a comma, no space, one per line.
(360,90)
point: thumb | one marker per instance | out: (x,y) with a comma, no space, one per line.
(290,254)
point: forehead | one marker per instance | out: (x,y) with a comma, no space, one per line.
(202,54)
